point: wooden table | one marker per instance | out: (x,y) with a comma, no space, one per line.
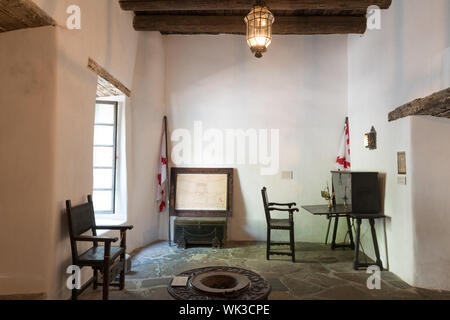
(371,218)
(339,211)
(336,212)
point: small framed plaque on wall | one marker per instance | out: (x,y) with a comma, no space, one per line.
(401,162)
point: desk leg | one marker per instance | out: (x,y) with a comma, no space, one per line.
(333,243)
(350,233)
(358,235)
(328,230)
(375,243)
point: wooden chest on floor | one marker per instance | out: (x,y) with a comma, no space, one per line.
(206,231)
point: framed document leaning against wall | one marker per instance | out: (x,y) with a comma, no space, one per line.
(201,192)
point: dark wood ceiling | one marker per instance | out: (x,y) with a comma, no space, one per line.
(20,14)
(227,16)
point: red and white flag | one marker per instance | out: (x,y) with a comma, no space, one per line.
(161,196)
(343,158)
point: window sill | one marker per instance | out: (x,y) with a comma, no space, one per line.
(100,221)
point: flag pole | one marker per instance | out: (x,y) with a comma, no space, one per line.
(168,180)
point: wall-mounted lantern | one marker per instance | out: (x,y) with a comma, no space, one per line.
(370,139)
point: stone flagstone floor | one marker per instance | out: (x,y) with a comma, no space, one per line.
(318,273)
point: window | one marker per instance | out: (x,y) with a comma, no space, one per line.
(105,156)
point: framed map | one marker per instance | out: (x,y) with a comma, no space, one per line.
(198,192)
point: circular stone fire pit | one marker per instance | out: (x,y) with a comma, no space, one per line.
(221,283)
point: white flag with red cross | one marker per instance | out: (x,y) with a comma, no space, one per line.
(161,196)
(343,158)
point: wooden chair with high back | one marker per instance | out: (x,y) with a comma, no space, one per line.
(279,224)
(107,259)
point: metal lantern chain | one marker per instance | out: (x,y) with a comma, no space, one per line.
(259,28)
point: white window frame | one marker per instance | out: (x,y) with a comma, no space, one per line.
(113,189)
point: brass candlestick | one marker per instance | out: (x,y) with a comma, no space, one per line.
(345,199)
(327,196)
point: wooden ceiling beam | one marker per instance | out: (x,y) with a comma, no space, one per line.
(101,72)
(436,104)
(186,5)
(19,14)
(300,25)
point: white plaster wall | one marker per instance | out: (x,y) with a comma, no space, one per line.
(431,202)
(106,35)
(299,87)
(146,120)
(407,59)
(27,127)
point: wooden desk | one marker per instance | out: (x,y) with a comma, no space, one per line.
(371,218)
(339,212)
(323,210)
(336,212)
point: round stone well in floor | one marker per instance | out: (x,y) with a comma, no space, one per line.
(221,283)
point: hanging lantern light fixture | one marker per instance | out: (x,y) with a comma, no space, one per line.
(259,28)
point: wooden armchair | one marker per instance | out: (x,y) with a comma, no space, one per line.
(279,224)
(108,259)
